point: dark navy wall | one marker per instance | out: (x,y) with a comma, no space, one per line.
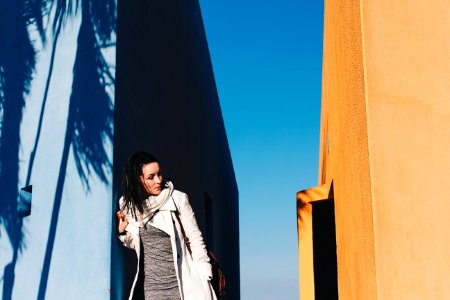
(167,104)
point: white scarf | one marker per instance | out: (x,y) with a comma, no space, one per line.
(152,204)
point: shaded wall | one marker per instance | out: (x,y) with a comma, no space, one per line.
(167,104)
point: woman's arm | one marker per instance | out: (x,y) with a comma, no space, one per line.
(123,234)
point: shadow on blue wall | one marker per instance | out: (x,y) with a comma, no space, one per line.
(90,117)
(17,62)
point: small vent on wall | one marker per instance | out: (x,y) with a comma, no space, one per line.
(24,204)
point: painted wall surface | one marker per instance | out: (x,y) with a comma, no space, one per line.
(167,104)
(56,109)
(407,73)
(344,156)
(385,136)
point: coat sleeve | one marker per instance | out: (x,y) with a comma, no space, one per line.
(127,239)
(198,248)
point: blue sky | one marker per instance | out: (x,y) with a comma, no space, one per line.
(267,60)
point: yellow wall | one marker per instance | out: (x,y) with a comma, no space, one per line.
(345,159)
(385,144)
(407,73)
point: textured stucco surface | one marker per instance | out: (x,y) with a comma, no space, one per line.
(385,139)
(344,155)
(407,70)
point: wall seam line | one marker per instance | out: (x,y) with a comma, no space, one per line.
(366,99)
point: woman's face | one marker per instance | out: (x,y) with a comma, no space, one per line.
(151,178)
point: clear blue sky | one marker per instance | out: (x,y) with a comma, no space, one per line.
(267,60)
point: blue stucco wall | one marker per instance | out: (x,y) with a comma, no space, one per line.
(62,250)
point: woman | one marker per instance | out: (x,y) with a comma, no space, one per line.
(148,218)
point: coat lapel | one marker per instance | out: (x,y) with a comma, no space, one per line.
(163,219)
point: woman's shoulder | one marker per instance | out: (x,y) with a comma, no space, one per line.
(179,196)
(122,205)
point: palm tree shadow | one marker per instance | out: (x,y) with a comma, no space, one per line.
(17,63)
(90,118)
(89,122)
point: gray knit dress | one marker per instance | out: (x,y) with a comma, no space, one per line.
(160,281)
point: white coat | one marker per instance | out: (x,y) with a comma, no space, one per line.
(193,271)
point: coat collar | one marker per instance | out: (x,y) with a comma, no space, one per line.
(169,205)
(163,219)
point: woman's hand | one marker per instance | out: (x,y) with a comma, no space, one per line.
(122,221)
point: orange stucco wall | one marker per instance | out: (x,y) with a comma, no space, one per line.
(385,145)
(406,54)
(344,148)
(305,236)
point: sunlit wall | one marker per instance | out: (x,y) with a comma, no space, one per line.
(56,126)
(57,87)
